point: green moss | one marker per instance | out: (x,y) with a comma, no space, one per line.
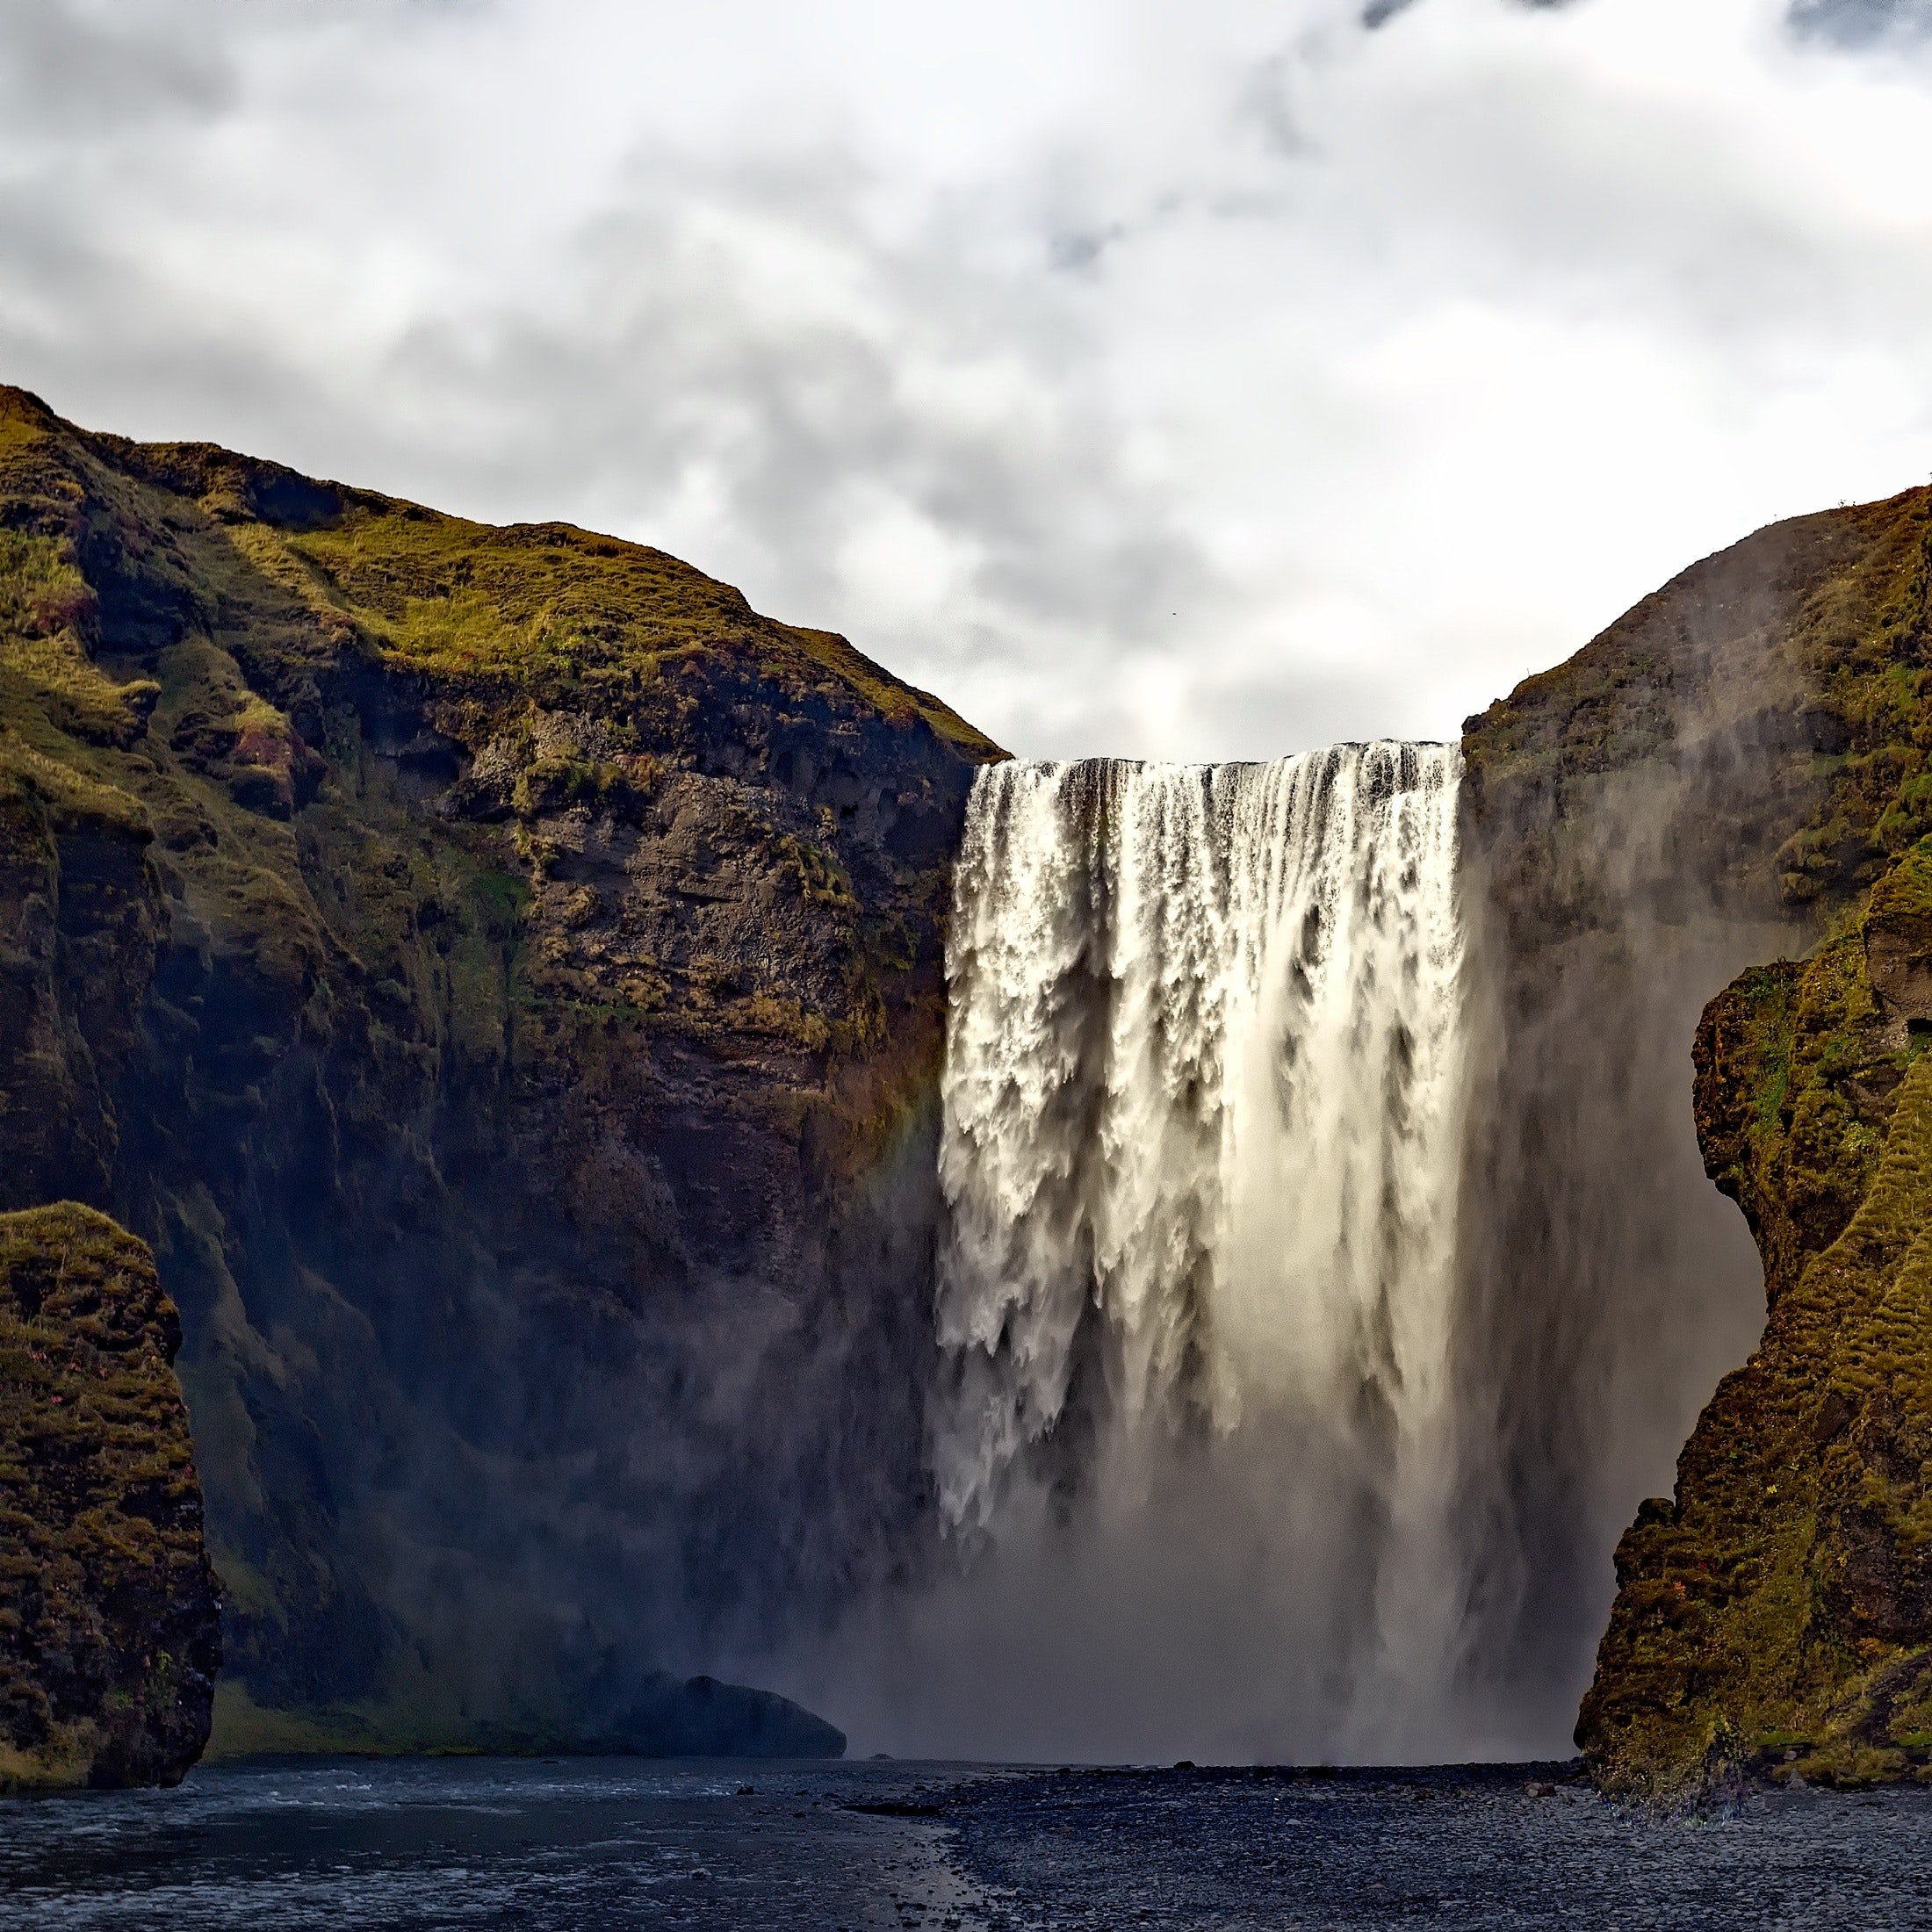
(106,1599)
(1779,1606)
(70,797)
(1805,1486)
(243,1728)
(821,880)
(562,614)
(1864,644)
(42,593)
(47,614)
(501,899)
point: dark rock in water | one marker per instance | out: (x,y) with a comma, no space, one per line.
(110,1618)
(702,1718)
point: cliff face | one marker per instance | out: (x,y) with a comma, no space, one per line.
(1776,1615)
(1622,818)
(109,1621)
(499,972)
(1734,774)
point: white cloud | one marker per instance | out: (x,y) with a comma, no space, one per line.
(1206,381)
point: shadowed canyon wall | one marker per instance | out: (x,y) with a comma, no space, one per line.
(1719,782)
(1773,1613)
(1621,818)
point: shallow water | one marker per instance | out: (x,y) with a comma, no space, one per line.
(594,1844)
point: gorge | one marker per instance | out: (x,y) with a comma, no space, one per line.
(676,1159)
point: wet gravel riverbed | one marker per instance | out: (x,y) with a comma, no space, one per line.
(587,1845)
(1502,1847)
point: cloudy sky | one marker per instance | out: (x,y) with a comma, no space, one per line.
(1203,379)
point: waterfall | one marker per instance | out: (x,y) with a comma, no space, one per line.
(1202,1110)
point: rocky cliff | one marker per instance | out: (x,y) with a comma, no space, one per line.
(499,973)
(1736,775)
(109,1620)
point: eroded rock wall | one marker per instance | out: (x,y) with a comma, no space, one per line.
(1774,1615)
(109,1618)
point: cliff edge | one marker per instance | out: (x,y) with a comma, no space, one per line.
(1728,788)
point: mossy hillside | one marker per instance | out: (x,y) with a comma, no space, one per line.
(511,941)
(1776,1615)
(563,676)
(1623,819)
(643,655)
(1768,705)
(563,615)
(47,609)
(109,1613)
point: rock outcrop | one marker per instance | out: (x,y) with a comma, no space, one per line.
(1737,776)
(499,972)
(702,1718)
(109,1620)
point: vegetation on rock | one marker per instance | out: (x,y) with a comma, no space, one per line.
(1624,817)
(109,1621)
(499,973)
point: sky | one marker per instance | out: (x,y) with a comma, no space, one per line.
(1199,380)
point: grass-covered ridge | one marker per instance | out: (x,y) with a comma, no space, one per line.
(559,612)
(567,612)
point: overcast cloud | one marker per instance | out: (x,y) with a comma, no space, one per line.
(1204,381)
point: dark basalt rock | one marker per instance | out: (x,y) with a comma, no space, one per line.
(702,1718)
(110,1619)
(500,974)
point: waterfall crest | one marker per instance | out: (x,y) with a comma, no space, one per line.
(1203,1103)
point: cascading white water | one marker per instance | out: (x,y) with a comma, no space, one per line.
(1202,1109)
